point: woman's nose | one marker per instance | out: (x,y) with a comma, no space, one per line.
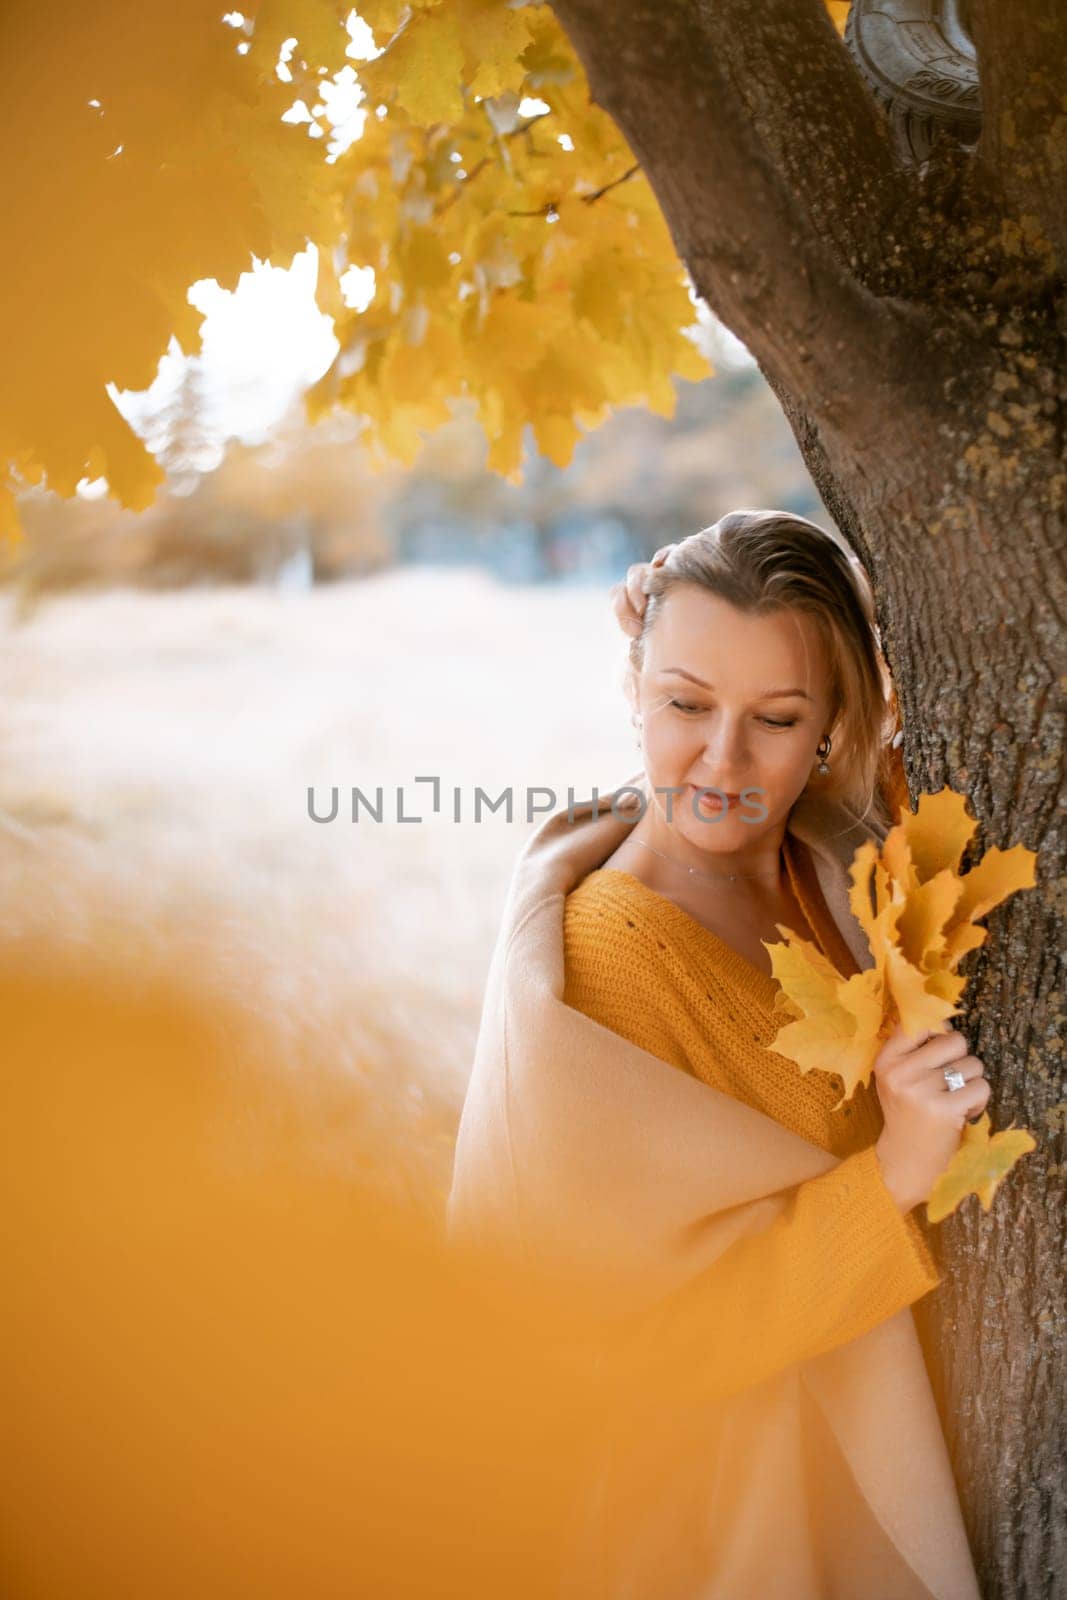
(724,746)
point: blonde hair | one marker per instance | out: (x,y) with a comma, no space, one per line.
(764,561)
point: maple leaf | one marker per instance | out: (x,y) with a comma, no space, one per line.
(978,1167)
(835,1026)
(422,69)
(918,913)
(456,194)
(494,38)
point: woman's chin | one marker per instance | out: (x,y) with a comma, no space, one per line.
(717,827)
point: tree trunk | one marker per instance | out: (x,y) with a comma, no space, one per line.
(916,343)
(967,587)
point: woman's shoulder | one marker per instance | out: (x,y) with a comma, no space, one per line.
(592,912)
(608,900)
(621,966)
(619,939)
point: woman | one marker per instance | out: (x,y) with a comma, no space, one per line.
(628,1118)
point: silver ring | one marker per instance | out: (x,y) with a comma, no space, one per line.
(955,1080)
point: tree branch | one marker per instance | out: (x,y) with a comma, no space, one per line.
(1022,65)
(753,247)
(820,126)
(588,199)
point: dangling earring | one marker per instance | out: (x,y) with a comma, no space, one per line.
(636,720)
(823,769)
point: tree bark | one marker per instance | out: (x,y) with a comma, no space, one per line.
(913,325)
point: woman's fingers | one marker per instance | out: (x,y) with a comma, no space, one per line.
(911,1057)
(920,1073)
(968,1067)
(628,618)
(628,598)
(969,1103)
(635,585)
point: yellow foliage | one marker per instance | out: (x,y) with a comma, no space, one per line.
(549,256)
(977,1167)
(421,69)
(522,252)
(494,38)
(150,154)
(918,913)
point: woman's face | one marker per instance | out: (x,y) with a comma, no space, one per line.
(752,722)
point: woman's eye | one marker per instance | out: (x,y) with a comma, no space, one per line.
(768,722)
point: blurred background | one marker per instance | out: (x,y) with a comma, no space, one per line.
(287,615)
(237,1039)
(252,257)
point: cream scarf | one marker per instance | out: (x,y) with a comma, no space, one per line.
(584,1154)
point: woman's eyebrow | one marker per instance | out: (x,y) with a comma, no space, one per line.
(768,694)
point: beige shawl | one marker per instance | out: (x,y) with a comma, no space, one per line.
(583,1153)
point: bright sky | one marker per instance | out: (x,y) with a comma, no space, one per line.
(262,343)
(266,341)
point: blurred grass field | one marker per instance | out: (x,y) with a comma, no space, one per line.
(236,1046)
(157,751)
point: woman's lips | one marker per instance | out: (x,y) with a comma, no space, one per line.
(713,801)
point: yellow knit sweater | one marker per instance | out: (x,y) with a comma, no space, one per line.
(840,1257)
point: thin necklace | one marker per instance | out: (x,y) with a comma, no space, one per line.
(712,877)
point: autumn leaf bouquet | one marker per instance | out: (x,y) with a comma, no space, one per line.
(920,915)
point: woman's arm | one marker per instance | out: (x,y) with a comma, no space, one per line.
(839,1258)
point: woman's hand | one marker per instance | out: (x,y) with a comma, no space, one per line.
(923,1117)
(628,598)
